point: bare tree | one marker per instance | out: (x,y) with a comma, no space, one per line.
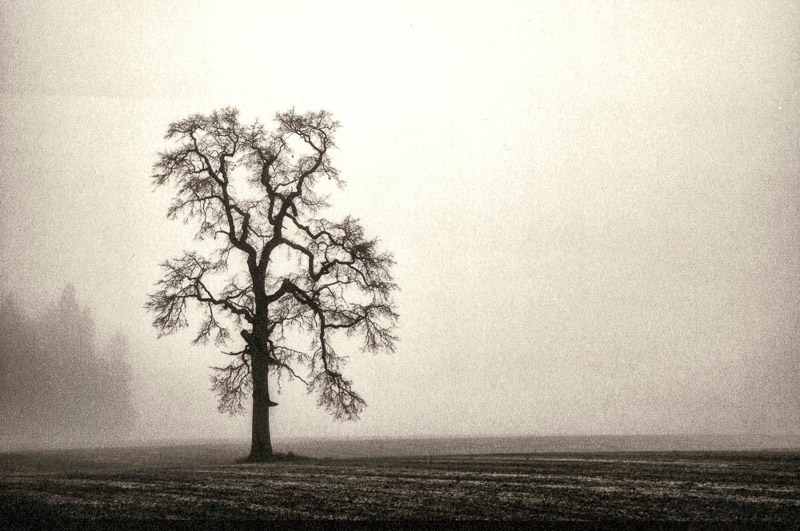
(288,280)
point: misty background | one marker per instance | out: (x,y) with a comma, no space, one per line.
(58,387)
(594,206)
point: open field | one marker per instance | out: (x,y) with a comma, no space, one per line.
(205,482)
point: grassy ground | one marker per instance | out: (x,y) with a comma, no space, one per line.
(204,482)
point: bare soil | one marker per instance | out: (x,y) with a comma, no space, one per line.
(206,483)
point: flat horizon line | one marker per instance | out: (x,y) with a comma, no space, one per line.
(789,441)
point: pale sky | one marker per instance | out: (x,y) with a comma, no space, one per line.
(594,206)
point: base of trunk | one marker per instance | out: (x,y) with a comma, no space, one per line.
(259,453)
(273,457)
(258,458)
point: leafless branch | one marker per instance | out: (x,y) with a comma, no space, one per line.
(254,192)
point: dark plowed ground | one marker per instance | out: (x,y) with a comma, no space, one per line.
(133,484)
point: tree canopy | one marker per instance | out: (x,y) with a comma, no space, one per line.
(291,281)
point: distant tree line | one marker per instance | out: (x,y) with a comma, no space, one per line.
(56,386)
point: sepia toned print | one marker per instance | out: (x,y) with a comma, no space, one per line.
(438,261)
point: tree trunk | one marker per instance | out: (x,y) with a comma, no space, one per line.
(261,447)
